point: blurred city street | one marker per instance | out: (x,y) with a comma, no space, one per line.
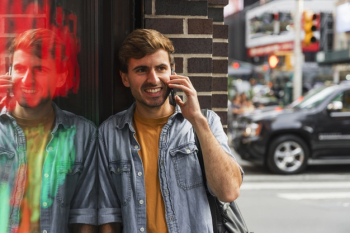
(289,107)
(317,200)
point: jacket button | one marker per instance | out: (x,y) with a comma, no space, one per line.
(142,229)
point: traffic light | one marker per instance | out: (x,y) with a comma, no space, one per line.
(235,65)
(281,60)
(273,61)
(310,26)
(326,31)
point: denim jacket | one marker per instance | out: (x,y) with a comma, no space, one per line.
(122,196)
(68,193)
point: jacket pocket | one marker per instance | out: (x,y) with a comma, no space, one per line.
(68,179)
(186,165)
(121,172)
(6,163)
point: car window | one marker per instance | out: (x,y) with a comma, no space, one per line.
(315,98)
(345,99)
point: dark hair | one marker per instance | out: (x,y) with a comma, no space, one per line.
(142,42)
(41,43)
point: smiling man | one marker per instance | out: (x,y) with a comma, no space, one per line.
(47,162)
(150,177)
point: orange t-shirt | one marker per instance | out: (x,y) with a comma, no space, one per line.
(147,134)
(38,134)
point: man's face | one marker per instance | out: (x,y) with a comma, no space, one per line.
(35,79)
(147,78)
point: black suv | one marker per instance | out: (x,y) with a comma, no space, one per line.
(284,139)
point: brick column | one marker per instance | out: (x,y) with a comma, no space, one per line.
(201,45)
(220,59)
(13,23)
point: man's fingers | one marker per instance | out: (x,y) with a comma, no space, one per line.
(5,77)
(173,77)
(2,101)
(182,80)
(179,101)
(5,81)
(5,86)
(188,91)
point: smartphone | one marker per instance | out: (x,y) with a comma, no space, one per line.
(172,91)
(9,92)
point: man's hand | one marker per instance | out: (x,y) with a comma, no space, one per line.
(222,172)
(115,227)
(190,107)
(82,228)
(6,86)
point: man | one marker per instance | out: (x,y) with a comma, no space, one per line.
(150,177)
(47,162)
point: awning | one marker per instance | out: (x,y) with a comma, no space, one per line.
(333,57)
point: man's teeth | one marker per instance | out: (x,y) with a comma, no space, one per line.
(28,91)
(153,90)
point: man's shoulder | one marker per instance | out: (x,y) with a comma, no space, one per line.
(211,116)
(71,119)
(115,121)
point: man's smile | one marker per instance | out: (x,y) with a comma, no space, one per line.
(153,90)
(28,91)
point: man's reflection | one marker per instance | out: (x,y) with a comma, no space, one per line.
(47,163)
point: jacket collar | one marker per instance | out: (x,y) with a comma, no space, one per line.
(61,118)
(128,117)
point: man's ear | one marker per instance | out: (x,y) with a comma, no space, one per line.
(63,73)
(125,79)
(61,79)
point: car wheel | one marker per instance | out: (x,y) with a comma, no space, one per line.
(287,154)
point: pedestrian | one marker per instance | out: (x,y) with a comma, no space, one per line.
(236,106)
(47,155)
(150,177)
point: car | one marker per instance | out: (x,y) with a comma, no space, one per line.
(284,139)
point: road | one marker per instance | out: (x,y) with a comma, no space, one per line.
(317,201)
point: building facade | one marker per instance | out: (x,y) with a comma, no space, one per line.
(338,56)
(94,31)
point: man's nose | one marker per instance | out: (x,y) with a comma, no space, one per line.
(152,77)
(28,78)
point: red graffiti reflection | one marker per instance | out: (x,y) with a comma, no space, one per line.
(19,16)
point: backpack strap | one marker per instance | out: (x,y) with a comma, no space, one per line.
(211,199)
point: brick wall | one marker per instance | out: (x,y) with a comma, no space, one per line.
(11,23)
(201,45)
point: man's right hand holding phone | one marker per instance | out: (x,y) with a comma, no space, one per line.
(6,86)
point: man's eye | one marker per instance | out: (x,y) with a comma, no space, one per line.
(20,69)
(141,70)
(161,68)
(40,70)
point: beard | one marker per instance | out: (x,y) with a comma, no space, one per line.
(28,103)
(153,102)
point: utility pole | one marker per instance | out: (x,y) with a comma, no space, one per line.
(298,54)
